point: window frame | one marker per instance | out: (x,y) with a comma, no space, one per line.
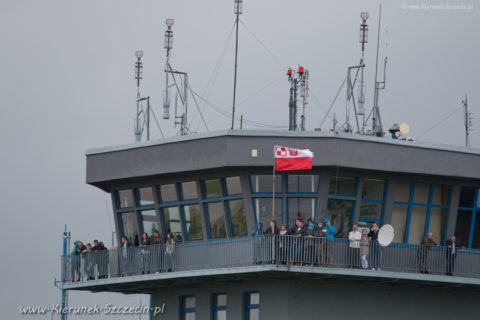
(249,306)
(473,210)
(429,205)
(216,307)
(183,309)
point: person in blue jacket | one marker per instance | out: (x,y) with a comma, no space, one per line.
(258,233)
(330,232)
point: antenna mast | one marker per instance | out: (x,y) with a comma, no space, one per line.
(183,95)
(468,121)
(363,40)
(302,78)
(377,128)
(137,127)
(238,11)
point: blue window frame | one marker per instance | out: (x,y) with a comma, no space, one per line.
(188,190)
(219,306)
(187,307)
(468,214)
(262,209)
(218,223)
(144,197)
(212,188)
(124,199)
(302,184)
(167,193)
(423,207)
(303,207)
(263,184)
(369,200)
(343,186)
(252,305)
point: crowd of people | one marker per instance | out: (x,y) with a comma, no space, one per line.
(314,245)
(95,257)
(304,244)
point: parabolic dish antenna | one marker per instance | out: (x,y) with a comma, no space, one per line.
(404,128)
(385,235)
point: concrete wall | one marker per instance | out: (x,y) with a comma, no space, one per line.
(328,299)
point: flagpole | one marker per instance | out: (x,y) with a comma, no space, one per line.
(273,182)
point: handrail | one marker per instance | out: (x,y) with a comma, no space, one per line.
(269,249)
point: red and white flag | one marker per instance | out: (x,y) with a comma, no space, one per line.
(292,159)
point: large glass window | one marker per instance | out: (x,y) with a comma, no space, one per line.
(193,222)
(213,188)
(373,189)
(233,185)
(172,221)
(264,183)
(399,217)
(130,226)
(263,210)
(189,190)
(168,193)
(302,183)
(149,221)
(219,306)
(426,210)
(340,214)
(467,229)
(252,306)
(145,196)
(300,208)
(216,219)
(342,186)
(238,219)
(125,199)
(188,307)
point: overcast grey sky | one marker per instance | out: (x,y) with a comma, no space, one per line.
(66,85)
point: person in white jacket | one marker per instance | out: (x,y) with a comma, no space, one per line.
(354,238)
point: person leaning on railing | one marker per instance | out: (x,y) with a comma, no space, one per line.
(102,259)
(320,233)
(272,231)
(374,247)
(329,230)
(354,237)
(424,253)
(452,246)
(283,244)
(169,252)
(145,253)
(125,245)
(310,252)
(297,246)
(157,254)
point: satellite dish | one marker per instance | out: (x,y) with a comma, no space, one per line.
(404,128)
(385,235)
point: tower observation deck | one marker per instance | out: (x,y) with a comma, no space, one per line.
(209,192)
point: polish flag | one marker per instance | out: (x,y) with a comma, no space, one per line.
(292,159)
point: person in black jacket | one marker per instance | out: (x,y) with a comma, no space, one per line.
(374,247)
(125,254)
(451,254)
(273,231)
(102,253)
(145,253)
(299,232)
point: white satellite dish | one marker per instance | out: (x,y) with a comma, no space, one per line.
(385,235)
(404,128)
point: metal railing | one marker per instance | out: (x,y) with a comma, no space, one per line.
(268,249)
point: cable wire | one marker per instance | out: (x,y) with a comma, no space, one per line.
(438,123)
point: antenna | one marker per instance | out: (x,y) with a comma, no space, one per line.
(296,77)
(467,116)
(304,95)
(238,11)
(168,42)
(363,40)
(138,76)
(184,94)
(377,128)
